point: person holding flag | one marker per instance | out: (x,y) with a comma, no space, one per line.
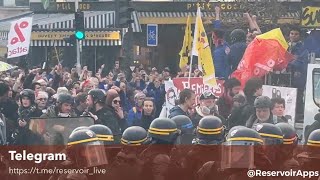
(267,52)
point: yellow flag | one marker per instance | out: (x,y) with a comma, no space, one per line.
(275,34)
(187,43)
(202,48)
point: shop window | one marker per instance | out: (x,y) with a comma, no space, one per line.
(22,2)
(316,86)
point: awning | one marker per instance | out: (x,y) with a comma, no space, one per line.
(180,17)
(51,22)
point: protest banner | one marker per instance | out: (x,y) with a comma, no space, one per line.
(290,97)
(174,87)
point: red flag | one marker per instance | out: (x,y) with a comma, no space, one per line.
(265,53)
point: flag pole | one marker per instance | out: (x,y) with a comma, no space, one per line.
(190,68)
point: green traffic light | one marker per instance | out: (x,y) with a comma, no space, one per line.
(79,35)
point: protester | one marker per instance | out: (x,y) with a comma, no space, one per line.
(232,87)
(222,67)
(62,108)
(207,107)
(80,103)
(252,89)
(156,90)
(148,114)
(237,48)
(136,112)
(42,100)
(115,117)
(278,109)
(263,113)
(186,103)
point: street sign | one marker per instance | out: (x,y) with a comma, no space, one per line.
(132,68)
(152,34)
(19,37)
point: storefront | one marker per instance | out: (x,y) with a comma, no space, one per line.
(101,46)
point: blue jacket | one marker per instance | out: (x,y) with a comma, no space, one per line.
(134,115)
(158,94)
(236,53)
(220,60)
(176,111)
(300,65)
(140,87)
(125,104)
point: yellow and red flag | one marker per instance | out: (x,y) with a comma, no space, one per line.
(187,45)
(267,52)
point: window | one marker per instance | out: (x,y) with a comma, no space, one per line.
(316,86)
(22,2)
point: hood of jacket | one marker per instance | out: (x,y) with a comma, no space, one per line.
(175,111)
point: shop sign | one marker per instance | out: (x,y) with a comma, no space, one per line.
(61,35)
(310,16)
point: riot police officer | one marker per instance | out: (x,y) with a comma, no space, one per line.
(127,164)
(310,159)
(241,151)
(273,139)
(156,157)
(85,151)
(290,141)
(184,124)
(209,131)
(178,154)
(209,134)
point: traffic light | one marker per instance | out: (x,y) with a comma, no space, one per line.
(71,39)
(79,26)
(124,11)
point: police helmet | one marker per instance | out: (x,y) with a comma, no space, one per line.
(97,95)
(65,98)
(210,130)
(134,136)
(183,123)
(85,149)
(164,129)
(240,135)
(29,94)
(314,139)
(103,133)
(262,102)
(271,134)
(289,133)
(240,148)
(79,128)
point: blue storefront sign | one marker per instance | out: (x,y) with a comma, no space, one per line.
(152,34)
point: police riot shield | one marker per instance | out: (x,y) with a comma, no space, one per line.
(56,131)
(237,156)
